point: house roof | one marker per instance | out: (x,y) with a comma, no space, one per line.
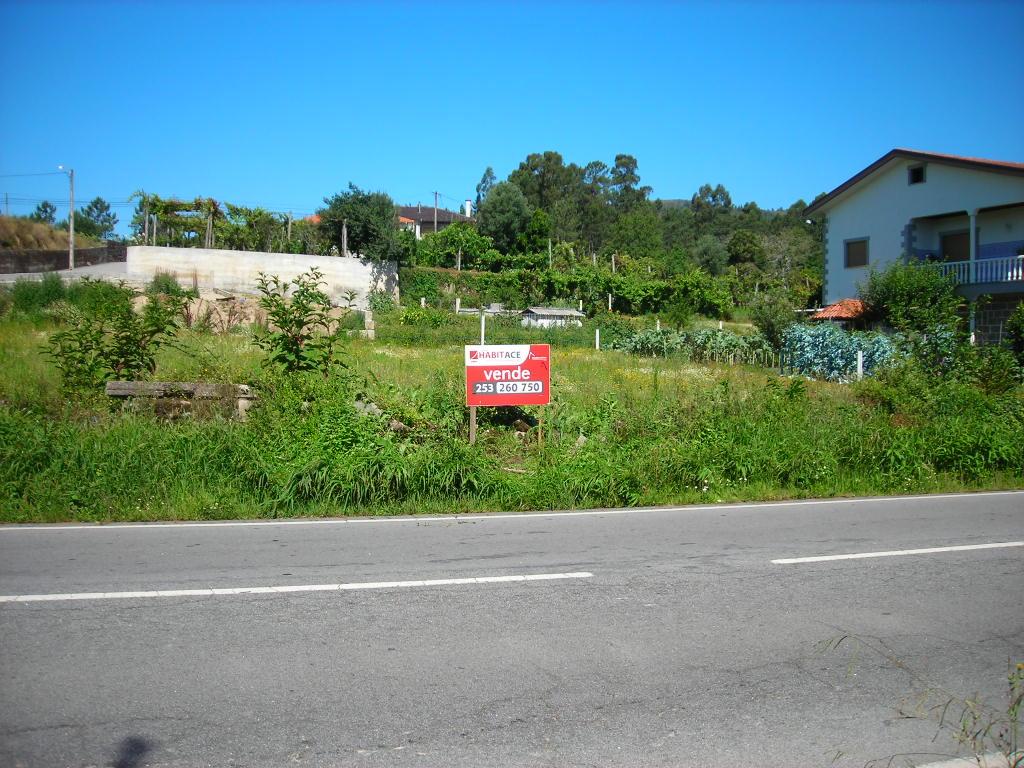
(844,309)
(424,214)
(976,163)
(555,312)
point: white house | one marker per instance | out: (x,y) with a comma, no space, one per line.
(965,213)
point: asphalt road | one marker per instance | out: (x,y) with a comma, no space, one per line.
(686,646)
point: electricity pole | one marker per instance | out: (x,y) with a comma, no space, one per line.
(71,218)
(435,212)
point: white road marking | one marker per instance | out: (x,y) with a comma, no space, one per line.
(491,516)
(897,552)
(292,588)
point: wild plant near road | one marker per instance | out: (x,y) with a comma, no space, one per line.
(303,335)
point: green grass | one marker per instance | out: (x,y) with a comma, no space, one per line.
(656,432)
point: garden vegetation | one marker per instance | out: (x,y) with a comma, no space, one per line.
(639,424)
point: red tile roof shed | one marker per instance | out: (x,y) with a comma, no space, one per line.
(844,309)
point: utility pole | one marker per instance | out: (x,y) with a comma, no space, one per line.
(344,237)
(549,253)
(289,226)
(7,205)
(71,217)
(435,211)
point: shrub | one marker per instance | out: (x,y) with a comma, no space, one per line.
(913,298)
(110,340)
(827,351)
(381,302)
(424,317)
(168,285)
(773,315)
(32,296)
(1015,333)
(302,335)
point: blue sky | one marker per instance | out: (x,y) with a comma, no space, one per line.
(281,104)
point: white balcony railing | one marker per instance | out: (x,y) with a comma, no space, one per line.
(1005,270)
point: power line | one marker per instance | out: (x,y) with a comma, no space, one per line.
(22,175)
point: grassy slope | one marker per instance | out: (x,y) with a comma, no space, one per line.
(22,233)
(657,431)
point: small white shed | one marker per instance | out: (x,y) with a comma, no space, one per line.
(551,317)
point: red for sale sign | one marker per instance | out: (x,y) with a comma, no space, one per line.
(508,374)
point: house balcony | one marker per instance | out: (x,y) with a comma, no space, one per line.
(986,276)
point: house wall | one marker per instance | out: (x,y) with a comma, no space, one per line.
(881,207)
(239,270)
(1000,233)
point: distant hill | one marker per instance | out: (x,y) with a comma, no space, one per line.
(25,234)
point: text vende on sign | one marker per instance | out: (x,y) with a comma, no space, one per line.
(508,374)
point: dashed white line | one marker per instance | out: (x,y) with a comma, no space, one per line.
(214,524)
(896,553)
(291,588)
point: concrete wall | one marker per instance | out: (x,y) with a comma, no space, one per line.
(238,270)
(18,260)
(991,317)
(882,206)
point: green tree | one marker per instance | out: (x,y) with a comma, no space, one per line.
(710,254)
(101,220)
(457,245)
(370,220)
(745,247)
(45,212)
(625,184)
(504,215)
(773,314)
(637,233)
(538,232)
(596,211)
(545,179)
(486,182)
(709,203)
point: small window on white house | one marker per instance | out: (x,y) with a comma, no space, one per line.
(856,254)
(915,174)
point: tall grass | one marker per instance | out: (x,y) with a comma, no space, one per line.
(620,430)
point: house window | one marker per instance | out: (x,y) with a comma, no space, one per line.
(856,253)
(915,174)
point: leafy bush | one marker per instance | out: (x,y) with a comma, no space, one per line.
(303,334)
(826,351)
(773,315)
(168,285)
(32,296)
(110,340)
(381,302)
(913,298)
(424,317)
(1015,333)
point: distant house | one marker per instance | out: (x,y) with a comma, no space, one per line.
(964,213)
(551,317)
(420,219)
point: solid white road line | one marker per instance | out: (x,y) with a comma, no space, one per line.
(897,552)
(292,588)
(496,516)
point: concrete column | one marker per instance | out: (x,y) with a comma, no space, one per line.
(973,215)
